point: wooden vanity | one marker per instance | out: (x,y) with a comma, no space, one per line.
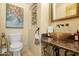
(68,45)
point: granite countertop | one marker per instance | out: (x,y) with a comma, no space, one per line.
(68,44)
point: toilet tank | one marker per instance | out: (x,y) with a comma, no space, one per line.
(15,37)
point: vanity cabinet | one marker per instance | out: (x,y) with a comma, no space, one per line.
(59,48)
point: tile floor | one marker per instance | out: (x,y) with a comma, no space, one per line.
(26,52)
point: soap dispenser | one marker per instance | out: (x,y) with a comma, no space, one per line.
(50,30)
(77,35)
(77,31)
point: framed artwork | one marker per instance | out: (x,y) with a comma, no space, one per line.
(14,16)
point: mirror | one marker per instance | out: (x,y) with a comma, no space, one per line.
(63,11)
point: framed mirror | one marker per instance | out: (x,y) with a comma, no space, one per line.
(63,11)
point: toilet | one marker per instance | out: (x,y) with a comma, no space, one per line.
(15,43)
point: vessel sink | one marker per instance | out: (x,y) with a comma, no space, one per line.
(60,35)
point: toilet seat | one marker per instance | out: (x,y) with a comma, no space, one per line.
(16,46)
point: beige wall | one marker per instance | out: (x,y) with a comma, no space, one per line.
(24,31)
(36,49)
(42,20)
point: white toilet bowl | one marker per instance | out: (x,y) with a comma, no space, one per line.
(16,48)
(16,44)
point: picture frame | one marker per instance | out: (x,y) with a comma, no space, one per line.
(14,16)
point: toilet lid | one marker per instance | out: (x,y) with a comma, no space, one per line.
(16,45)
